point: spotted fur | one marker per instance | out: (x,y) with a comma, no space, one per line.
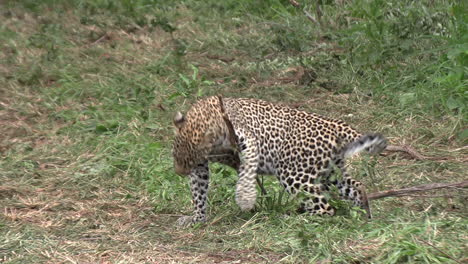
(257,137)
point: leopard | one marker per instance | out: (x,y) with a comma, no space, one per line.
(256,137)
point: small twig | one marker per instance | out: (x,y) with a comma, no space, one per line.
(294,3)
(433,196)
(161,107)
(310,17)
(307,14)
(99,39)
(221,58)
(414,189)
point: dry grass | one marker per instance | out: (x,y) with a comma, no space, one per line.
(96,225)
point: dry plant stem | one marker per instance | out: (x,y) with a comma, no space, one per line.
(310,17)
(433,196)
(414,189)
(307,14)
(221,58)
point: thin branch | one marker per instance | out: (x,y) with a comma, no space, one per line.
(414,189)
(433,196)
(412,152)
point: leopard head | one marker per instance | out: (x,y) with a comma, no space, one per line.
(197,133)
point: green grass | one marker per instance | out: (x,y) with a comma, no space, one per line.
(87,94)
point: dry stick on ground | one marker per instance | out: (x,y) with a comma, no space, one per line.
(412,152)
(414,189)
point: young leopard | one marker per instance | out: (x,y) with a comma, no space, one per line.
(257,137)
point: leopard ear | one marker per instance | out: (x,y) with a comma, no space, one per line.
(179,120)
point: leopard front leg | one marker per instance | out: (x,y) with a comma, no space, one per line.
(316,203)
(354,191)
(246,191)
(351,189)
(199,181)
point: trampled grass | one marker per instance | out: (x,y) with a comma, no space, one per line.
(87,94)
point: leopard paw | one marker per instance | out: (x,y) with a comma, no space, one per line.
(189,220)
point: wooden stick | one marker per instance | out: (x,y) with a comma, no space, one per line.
(414,189)
(412,152)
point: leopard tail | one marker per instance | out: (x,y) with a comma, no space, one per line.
(372,143)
